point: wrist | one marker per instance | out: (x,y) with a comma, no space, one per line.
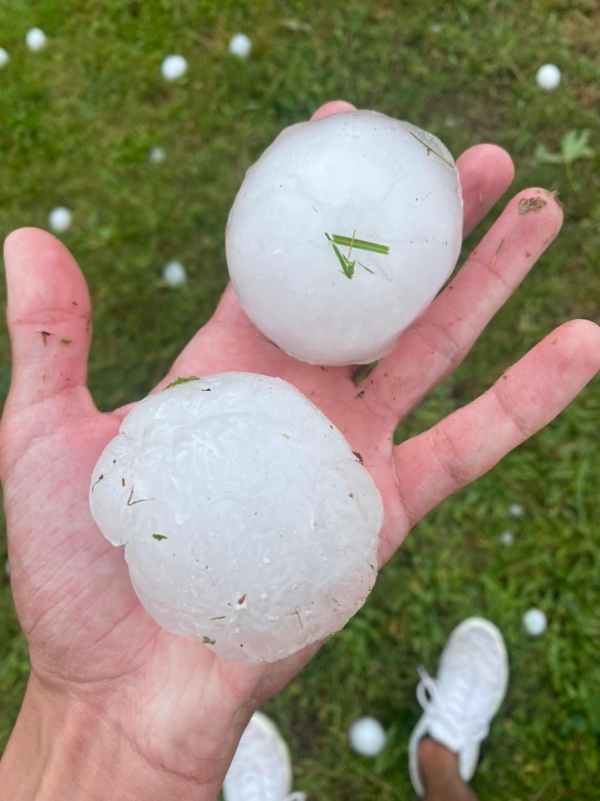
(64,746)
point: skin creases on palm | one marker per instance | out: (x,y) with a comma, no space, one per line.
(88,635)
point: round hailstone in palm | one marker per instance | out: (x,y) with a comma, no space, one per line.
(157,154)
(36,40)
(240,45)
(535,622)
(4,58)
(548,77)
(342,233)
(174,273)
(174,67)
(367,737)
(247,521)
(60,219)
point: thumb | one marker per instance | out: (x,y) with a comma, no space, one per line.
(49,322)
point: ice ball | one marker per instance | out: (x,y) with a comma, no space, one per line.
(367,737)
(548,77)
(35,40)
(535,622)
(391,192)
(4,58)
(240,45)
(157,154)
(247,520)
(60,219)
(174,67)
(174,273)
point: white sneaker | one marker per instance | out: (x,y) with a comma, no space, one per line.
(261,769)
(461,703)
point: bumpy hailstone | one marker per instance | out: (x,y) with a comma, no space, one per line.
(174,67)
(358,174)
(240,45)
(367,737)
(36,40)
(548,77)
(174,273)
(60,219)
(247,521)
(157,154)
(535,622)
(4,58)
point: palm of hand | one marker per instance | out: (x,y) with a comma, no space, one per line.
(87,632)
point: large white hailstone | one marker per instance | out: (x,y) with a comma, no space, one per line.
(174,273)
(240,45)
(359,175)
(35,40)
(60,219)
(157,154)
(535,622)
(4,58)
(247,521)
(174,67)
(548,77)
(367,737)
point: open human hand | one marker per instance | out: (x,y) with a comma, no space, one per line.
(114,698)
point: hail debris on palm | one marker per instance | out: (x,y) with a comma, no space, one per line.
(247,521)
(360,177)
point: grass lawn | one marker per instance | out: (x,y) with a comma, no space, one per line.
(78,122)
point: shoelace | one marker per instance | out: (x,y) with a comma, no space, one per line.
(434,704)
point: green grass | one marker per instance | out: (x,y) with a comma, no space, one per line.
(78,121)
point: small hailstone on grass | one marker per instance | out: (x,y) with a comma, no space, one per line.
(436,27)
(4,58)
(507,538)
(535,622)
(516,510)
(548,77)
(36,40)
(247,521)
(240,45)
(60,219)
(174,67)
(157,154)
(174,273)
(367,737)
(342,233)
